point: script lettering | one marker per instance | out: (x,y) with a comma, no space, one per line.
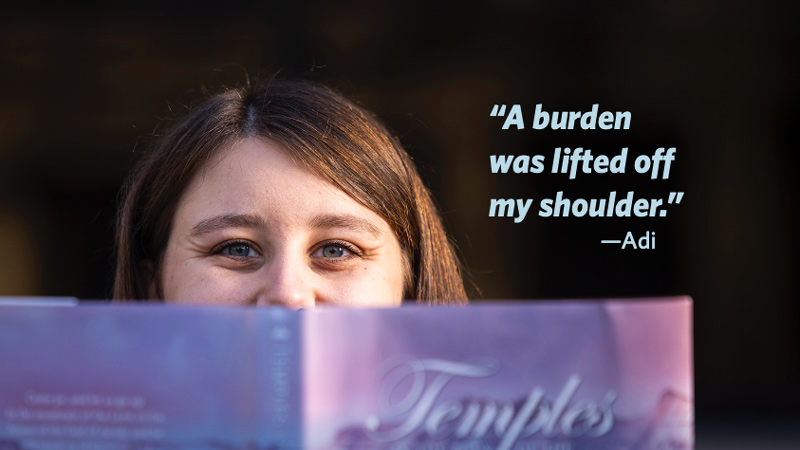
(419,409)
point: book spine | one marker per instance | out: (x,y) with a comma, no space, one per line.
(278,379)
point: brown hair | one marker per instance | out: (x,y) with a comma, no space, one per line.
(333,137)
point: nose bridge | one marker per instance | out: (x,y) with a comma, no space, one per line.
(288,282)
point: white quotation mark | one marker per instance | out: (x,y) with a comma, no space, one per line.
(674,198)
(498,111)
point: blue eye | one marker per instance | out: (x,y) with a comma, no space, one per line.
(333,251)
(239,250)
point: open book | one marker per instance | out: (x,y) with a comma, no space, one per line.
(541,375)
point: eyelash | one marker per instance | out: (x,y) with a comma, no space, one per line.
(355,251)
(227,244)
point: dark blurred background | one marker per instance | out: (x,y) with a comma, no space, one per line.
(83,90)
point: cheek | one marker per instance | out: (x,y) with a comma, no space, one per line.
(391,283)
(194,282)
(385,284)
(365,287)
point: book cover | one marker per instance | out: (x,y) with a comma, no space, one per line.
(525,375)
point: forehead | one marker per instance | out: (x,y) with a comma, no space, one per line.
(259,177)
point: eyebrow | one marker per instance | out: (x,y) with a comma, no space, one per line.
(328,221)
(227,221)
(323,221)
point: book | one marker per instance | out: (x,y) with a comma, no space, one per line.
(537,375)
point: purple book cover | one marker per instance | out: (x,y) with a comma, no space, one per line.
(564,375)
(149,377)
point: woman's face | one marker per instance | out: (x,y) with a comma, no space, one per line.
(256,228)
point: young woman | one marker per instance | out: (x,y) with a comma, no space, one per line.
(284,193)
